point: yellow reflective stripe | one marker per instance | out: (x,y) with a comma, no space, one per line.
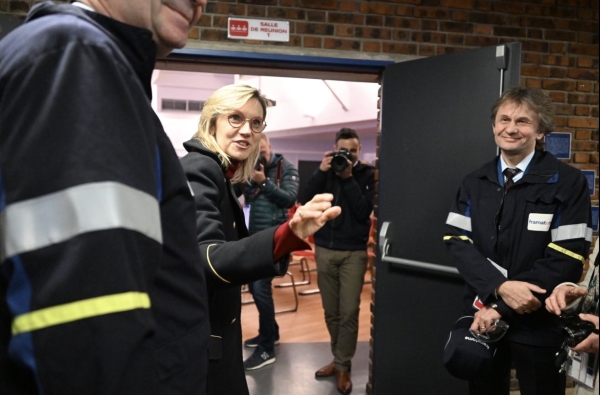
(567,252)
(211,266)
(464,238)
(79,310)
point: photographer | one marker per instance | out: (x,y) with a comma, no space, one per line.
(341,248)
(566,297)
(272,191)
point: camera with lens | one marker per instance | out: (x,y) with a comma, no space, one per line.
(340,159)
(575,330)
(260,161)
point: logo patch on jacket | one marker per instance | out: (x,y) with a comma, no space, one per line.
(539,222)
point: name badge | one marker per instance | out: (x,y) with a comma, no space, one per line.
(539,222)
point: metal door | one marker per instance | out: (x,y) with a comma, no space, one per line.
(435,129)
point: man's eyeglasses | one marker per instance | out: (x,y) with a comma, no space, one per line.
(237,119)
(494,332)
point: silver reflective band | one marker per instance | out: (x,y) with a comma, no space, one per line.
(56,217)
(568,232)
(460,221)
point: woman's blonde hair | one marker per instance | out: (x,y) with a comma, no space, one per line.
(222,102)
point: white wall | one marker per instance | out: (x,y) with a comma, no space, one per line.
(301,126)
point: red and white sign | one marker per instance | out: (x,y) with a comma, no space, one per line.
(258,29)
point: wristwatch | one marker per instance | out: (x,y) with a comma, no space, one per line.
(494,306)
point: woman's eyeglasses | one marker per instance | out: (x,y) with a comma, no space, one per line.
(237,119)
(494,332)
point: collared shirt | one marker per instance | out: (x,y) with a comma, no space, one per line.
(82,5)
(521,166)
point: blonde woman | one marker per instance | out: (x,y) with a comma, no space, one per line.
(223,152)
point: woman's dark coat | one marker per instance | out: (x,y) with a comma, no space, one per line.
(230,258)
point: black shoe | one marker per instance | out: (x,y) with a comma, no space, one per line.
(258,359)
(253,343)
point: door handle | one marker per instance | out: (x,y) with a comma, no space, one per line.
(385,241)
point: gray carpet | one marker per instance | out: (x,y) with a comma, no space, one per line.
(294,371)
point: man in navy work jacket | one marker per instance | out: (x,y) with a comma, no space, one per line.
(100,287)
(341,248)
(520,226)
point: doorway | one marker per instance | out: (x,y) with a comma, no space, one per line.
(303,142)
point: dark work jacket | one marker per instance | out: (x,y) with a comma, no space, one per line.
(350,230)
(269,204)
(229,258)
(75,115)
(544,235)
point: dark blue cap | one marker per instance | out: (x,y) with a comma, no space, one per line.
(465,356)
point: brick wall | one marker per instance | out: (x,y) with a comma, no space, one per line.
(559,37)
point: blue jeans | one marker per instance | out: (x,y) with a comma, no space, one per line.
(268,330)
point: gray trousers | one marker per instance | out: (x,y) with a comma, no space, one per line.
(340,276)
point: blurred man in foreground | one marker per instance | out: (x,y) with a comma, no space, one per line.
(100,288)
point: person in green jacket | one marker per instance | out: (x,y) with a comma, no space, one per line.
(271,192)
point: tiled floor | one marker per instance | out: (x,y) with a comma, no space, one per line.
(294,371)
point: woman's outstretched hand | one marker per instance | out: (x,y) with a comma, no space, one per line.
(312,216)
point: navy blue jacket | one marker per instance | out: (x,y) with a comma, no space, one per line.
(544,234)
(100,287)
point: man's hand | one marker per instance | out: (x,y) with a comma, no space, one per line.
(590,343)
(563,296)
(259,175)
(519,297)
(312,216)
(483,319)
(326,162)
